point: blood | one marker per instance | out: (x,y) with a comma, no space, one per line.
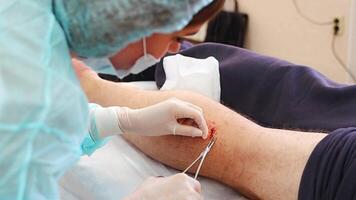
(212,129)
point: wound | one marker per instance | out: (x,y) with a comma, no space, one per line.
(212,129)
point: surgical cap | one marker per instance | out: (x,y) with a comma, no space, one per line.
(101,28)
(43,111)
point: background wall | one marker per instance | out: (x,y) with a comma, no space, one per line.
(352,40)
(276,29)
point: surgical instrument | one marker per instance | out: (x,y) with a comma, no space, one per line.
(201,157)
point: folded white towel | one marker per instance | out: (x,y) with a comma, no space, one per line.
(198,75)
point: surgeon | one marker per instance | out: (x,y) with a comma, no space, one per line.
(45,125)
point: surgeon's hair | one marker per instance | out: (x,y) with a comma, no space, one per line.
(207,13)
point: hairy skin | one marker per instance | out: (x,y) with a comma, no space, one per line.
(259,162)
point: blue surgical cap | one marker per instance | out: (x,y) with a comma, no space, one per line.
(101,28)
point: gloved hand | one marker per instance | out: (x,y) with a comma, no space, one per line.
(161,119)
(176,187)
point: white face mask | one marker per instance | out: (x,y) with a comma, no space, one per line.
(104,65)
(141,64)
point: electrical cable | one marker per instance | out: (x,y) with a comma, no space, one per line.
(309,19)
(334,22)
(343,65)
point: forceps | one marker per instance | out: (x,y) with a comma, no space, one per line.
(201,157)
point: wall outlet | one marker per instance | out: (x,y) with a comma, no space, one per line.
(339,25)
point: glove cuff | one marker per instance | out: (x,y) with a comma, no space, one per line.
(124,119)
(107,121)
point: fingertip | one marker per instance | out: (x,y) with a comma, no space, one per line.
(196,185)
(197,133)
(201,131)
(205,130)
(205,136)
(191,131)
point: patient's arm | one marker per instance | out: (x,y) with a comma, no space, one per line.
(261,163)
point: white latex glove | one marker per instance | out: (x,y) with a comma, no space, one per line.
(161,119)
(176,187)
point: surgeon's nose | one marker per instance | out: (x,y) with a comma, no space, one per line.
(174,47)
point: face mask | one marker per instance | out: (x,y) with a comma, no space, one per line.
(141,64)
(100,65)
(104,65)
